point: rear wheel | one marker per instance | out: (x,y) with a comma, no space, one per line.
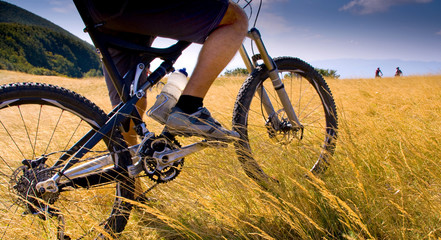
(278,147)
(43,120)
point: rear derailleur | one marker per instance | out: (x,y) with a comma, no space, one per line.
(22,185)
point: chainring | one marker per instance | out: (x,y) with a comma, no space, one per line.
(22,186)
(156,169)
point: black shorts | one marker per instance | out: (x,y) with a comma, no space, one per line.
(191,20)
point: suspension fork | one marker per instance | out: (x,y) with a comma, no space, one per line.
(254,34)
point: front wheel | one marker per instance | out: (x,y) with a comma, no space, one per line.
(270,142)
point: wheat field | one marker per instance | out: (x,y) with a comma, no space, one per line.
(384,181)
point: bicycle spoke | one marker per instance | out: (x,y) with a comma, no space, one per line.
(53,132)
(70,141)
(36,131)
(11,220)
(26,129)
(7,164)
(12,139)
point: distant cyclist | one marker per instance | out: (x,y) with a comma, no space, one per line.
(398,72)
(378,73)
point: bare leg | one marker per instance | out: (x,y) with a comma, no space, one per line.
(131,137)
(217,51)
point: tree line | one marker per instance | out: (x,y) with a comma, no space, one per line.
(237,72)
(42,51)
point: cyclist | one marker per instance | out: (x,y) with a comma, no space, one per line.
(398,72)
(378,73)
(220,25)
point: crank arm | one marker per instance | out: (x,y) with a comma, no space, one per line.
(167,158)
(171,156)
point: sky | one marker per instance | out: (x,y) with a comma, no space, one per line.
(350,36)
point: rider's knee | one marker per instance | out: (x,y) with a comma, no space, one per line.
(237,17)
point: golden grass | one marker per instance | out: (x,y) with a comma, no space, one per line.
(384,181)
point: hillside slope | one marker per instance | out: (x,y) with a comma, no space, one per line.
(10,13)
(29,43)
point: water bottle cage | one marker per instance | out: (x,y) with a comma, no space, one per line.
(154,108)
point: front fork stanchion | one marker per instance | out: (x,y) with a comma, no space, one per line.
(254,34)
(246,59)
(263,95)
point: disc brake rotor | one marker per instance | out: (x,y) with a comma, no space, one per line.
(282,132)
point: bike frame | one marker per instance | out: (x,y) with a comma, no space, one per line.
(102,169)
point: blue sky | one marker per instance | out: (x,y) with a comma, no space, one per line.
(321,32)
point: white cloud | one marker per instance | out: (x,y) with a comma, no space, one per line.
(439,33)
(62,6)
(373,6)
(274,24)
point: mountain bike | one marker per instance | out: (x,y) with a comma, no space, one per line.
(67,170)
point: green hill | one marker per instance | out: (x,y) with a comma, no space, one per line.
(29,43)
(10,13)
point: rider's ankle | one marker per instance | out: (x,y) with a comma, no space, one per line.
(189,104)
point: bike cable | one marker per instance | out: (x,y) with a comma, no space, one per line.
(250,16)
